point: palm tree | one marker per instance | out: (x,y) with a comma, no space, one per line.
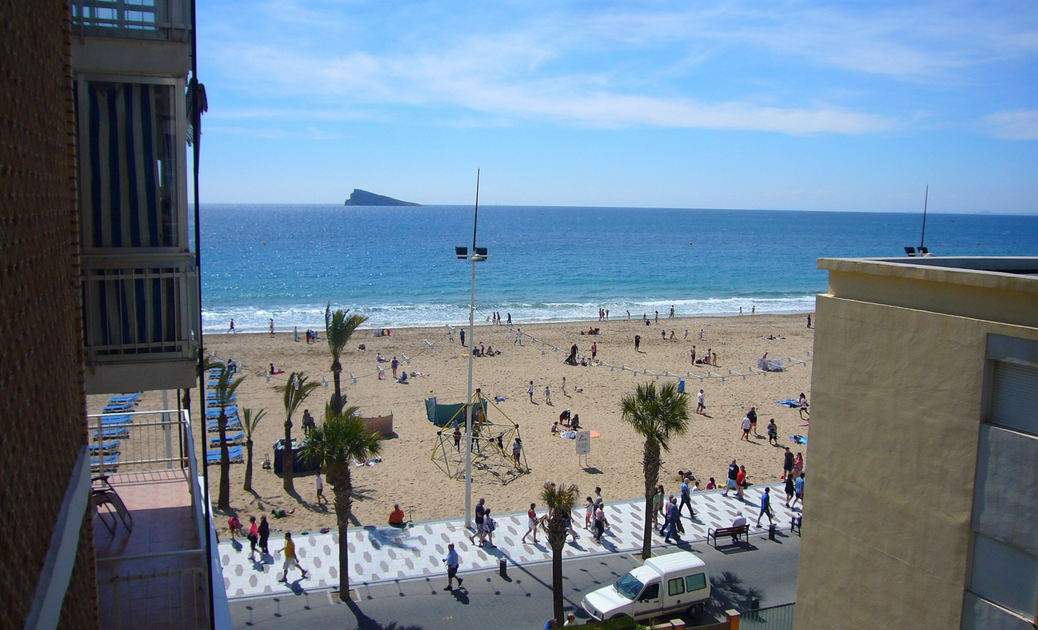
(338,328)
(655,414)
(560,499)
(296,391)
(250,421)
(334,446)
(225,388)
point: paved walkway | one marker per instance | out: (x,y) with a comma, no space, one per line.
(382,554)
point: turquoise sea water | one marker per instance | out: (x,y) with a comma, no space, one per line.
(397,265)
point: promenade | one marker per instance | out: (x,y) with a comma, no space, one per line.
(379,554)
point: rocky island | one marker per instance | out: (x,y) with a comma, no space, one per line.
(364,198)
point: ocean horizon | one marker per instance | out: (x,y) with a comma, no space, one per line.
(396,265)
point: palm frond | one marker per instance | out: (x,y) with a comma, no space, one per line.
(251,420)
(296,391)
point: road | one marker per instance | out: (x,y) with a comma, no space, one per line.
(766,570)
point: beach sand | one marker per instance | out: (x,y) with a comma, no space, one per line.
(408,474)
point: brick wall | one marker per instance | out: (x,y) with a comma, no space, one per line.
(42,423)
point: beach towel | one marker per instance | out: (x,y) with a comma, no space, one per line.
(789,402)
(799,439)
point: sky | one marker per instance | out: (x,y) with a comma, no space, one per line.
(847,106)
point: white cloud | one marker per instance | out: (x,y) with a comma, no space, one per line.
(1017,124)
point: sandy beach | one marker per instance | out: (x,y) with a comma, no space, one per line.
(408,473)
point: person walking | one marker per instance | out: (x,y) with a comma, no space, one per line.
(657,506)
(594,350)
(686,499)
(637,342)
(772,432)
(692,355)
(231,329)
(599,521)
(765,507)
(733,474)
(740,482)
(787,464)
(320,489)
(700,406)
(798,488)
(530,392)
(271,326)
(481,512)
(531,515)
(798,464)
(547,395)
(518,337)
(790,489)
(264,534)
(489,525)
(290,558)
(253,537)
(395,364)
(452,561)
(461,334)
(752,415)
(745,429)
(564,387)
(517,449)
(802,404)
(673,517)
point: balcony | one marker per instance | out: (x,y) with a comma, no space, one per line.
(151,563)
(140,315)
(151,37)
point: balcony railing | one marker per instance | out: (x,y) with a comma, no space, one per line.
(154,576)
(139,307)
(168,20)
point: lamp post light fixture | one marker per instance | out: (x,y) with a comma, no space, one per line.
(478,254)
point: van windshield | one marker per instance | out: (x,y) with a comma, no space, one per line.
(629,586)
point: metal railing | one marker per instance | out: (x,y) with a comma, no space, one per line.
(139,307)
(175,595)
(773,618)
(139,19)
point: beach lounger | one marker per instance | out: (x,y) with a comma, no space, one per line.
(113,420)
(113,432)
(124,398)
(233,422)
(236,453)
(104,447)
(108,462)
(118,407)
(232,438)
(211,399)
(214,412)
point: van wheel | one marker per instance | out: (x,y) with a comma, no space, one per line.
(619,616)
(696,611)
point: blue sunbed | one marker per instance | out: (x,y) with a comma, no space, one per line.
(235,453)
(214,412)
(109,462)
(232,423)
(113,432)
(113,420)
(124,398)
(104,447)
(117,407)
(232,438)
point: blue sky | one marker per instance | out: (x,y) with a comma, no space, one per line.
(726,104)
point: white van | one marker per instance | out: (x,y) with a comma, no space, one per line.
(663,585)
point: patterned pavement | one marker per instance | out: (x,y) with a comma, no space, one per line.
(382,554)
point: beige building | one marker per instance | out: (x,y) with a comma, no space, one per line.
(922,491)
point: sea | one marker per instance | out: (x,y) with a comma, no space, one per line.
(397,265)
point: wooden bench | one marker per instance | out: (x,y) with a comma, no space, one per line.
(734,532)
(794,527)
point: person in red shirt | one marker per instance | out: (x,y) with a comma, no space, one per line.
(740,481)
(396,517)
(532,525)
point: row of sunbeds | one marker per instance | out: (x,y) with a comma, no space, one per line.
(113,427)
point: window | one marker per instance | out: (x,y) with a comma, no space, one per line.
(1014,396)
(1004,575)
(652,591)
(675,587)
(695,582)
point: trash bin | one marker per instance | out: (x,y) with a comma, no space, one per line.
(771,531)
(504,568)
(681,386)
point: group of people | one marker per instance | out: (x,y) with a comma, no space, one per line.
(259,536)
(495,318)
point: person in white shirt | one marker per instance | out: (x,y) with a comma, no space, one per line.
(745,429)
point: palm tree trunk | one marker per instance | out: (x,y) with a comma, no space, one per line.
(247,486)
(223,500)
(651,467)
(287,458)
(342,487)
(557,540)
(337,401)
